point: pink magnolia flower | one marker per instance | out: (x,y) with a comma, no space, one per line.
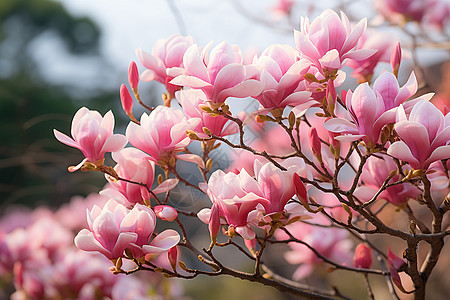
(190,101)
(372,108)
(332,243)
(166,54)
(162,134)
(236,196)
(132,164)
(115,228)
(93,135)
(283,7)
(219,74)
(277,186)
(398,11)
(375,172)
(281,76)
(107,235)
(382,42)
(329,40)
(425,136)
(142,220)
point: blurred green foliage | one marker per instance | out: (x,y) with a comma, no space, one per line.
(33,165)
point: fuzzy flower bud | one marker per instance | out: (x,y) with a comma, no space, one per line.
(173,257)
(300,189)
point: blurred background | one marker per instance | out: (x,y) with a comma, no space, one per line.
(59,55)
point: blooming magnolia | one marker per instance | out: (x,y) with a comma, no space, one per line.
(115,228)
(372,108)
(93,135)
(166,54)
(329,40)
(280,76)
(134,165)
(162,134)
(375,172)
(425,135)
(217,125)
(219,74)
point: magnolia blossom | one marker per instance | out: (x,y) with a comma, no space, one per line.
(92,134)
(329,40)
(398,11)
(236,196)
(107,235)
(372,108)
(162,134)
(276,185)
(280,76)
(133,165)
(425,136)
(217,125)
(375,172)
(219,74)
(381,41)
(166,54)
(332,243)
(115,228)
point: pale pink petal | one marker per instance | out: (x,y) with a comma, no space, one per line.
(331,60)
(247,88)
(194,65)
(204,214)
(163,241)
(166,185)
(245,232)
(65,139)
(86,241)
(192,158)
(439,153)
(190,81)
(114,143)
(360,54)
(401,151)
(340,125)
(124,239)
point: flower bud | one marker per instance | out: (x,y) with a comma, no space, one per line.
(396,57)
(300,189)
(173,257)
(133,76)
(315,143)
(214,222)
(362,257)
(165,212)
(127,101)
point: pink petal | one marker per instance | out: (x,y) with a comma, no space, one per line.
(163,241)
(192,158)
(340,125)
(166,185)
(245,232)
(401,151)
(204,214)
(248,88)
(86,241)
(439,153)
(190,81)
(124,239)
(65,139)
(360,54)
(114,143)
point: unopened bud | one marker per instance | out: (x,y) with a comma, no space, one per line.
(173,257)
(300,189)
(362,257)
(291,119)
(165,212)
(191,134)
(396,57)
(206,131)
(214,222)
(133,76)
(160,179)
(209,164)
(126,100)
(315,143)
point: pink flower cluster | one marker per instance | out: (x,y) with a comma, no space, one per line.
(36,248)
